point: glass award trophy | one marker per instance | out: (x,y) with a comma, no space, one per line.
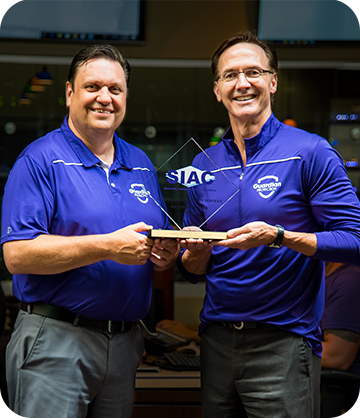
(192,186)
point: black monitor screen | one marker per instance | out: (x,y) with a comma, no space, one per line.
(78,20)
(295,21)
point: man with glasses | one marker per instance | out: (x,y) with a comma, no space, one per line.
(294,207)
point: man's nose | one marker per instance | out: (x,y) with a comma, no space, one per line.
(242,81)
(104,95)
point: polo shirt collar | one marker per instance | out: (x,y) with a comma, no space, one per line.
(254,144)
(85,155)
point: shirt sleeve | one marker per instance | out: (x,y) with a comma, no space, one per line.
(335,206)
(28,202)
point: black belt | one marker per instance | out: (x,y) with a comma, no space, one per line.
(62,314)
(240,325)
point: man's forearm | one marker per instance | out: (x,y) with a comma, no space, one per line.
(255,234)
(196,262)
(53,254)
(301,242)
(340,348)
(50,254)
(331,358)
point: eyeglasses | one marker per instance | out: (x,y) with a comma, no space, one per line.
(250,74)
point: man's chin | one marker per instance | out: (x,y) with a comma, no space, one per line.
(102,122)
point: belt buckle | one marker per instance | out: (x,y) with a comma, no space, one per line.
(241,326)
(110,327)
(111,324)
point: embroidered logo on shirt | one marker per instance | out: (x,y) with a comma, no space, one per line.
(267,186)
(190,176)
(139,191)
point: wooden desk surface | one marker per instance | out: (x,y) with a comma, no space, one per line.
(166,379)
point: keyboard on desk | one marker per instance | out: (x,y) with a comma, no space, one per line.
(163,341)
(183,361)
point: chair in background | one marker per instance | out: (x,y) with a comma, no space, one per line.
(335,384)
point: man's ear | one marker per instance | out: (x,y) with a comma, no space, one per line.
(274,82)
(217,92)
(68,93)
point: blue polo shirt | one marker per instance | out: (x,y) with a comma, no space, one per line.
(58,186)
(291,178)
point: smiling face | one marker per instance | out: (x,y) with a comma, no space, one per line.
(246,101)
(97,99)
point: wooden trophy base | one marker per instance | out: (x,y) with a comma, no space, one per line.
(181,234)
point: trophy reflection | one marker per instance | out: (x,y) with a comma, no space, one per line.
(190,182)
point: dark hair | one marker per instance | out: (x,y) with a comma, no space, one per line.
(246,37)
(98,51)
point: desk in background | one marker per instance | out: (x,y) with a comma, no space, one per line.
(167,394)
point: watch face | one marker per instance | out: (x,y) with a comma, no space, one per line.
(274,245)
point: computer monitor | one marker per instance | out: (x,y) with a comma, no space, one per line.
(298,22)
(119,21)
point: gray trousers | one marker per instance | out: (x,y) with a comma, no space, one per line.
(55,369)
(258,373)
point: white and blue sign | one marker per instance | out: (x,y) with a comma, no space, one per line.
(189,176)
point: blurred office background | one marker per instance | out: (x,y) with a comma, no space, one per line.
(169,45)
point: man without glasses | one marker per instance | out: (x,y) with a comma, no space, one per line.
(74,235)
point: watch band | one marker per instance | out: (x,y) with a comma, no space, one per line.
(279,238)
